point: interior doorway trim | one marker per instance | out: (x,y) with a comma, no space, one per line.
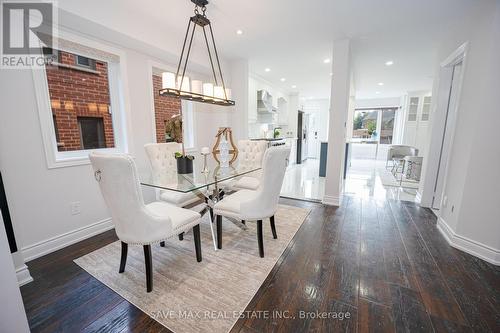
(439,122)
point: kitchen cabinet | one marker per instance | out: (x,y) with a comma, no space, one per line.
(282,111)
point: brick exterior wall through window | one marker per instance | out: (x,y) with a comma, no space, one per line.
(165,108)
(77,93)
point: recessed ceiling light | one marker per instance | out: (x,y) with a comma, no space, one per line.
(239,32)
(331,74)
(377,92)
(381,83)
(267,69)
(389,63)
(282,79)
(326,61)
(294,86)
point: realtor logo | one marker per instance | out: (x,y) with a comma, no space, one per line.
(27,33)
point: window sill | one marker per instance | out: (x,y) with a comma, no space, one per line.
(76,158)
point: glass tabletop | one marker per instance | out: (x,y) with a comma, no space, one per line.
(171,180)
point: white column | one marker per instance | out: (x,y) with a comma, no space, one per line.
(339,106)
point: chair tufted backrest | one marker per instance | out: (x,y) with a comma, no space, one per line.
(250,154)
(162,156)
(265,200)
(120,187)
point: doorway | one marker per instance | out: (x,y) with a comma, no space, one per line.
(440,154)
(447,135)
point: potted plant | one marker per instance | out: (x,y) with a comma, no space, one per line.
(174,129)
(184,163)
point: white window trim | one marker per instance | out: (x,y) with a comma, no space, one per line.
(118,101)
(187,108)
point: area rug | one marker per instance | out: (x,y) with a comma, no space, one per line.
(189,296)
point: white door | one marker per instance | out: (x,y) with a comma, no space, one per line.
(447,137)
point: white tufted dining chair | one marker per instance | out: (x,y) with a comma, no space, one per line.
(250,154)
(137,223)
(162,159)
(259,204)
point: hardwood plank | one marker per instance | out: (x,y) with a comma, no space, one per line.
(408,311)
(373,317)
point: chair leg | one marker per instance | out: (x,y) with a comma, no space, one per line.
(219,231)
(273,227)
(181,236)
(148,260)
(162,244)
(197,242)
(123,260)
(243,222)
(260,239)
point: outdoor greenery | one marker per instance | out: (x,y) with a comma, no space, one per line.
(371,126)
(358,121)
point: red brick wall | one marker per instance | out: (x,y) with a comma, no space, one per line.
(75,93)
(165,108)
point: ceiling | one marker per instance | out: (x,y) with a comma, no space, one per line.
(293,37)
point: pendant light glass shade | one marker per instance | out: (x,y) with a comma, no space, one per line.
(168,80)
(185,84)
(197,87)
(208,89)
(219,92)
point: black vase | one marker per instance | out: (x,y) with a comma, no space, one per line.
(184,165)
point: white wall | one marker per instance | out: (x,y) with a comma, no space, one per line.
(39,198)
(470,218)
(377,102)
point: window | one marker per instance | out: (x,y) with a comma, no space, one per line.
(387,125)
(374,124)
(91,132)
(364,124)
(80,108)
(85,62)
(76,95)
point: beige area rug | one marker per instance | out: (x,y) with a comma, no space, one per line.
(189,296)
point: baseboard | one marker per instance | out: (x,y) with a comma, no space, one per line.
(23,275)
(331,200)
(58,242)
(465,244)
(418,197)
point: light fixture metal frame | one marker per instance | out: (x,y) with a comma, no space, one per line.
(201,20)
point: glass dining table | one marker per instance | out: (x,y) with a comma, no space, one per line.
(208,181)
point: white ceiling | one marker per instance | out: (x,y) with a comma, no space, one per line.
(293,37)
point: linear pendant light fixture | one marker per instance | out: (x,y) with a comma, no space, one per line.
(178,85)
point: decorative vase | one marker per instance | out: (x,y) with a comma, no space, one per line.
(184,165)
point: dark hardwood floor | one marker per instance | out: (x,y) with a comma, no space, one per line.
(383,264)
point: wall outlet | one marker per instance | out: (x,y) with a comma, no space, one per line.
(75,208)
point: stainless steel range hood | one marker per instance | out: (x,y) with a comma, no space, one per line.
(265,102)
